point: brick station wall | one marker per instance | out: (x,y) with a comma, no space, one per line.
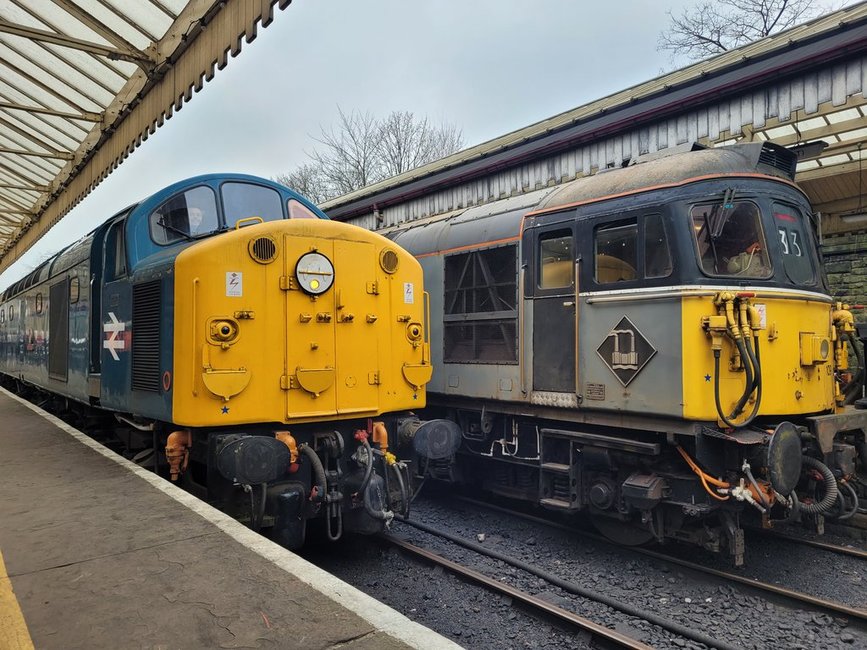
(846,266)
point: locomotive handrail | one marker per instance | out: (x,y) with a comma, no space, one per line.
(521,346)
(195,298)
(243,220)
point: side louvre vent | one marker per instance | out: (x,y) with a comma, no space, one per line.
(146,312)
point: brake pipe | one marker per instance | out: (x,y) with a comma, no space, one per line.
(705,478)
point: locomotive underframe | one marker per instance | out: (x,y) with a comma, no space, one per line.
(281,507)
(628,478)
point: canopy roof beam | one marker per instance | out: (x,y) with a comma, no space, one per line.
(84,116)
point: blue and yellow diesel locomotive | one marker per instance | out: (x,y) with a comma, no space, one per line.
(653,345)
(258,347)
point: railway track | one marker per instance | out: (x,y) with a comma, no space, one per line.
(795,597)
(581,591)
(601,635)
(825,546)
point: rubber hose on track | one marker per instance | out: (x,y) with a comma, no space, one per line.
(573,588)
(855,507)
(401,484)
(831,490)
(318,471)
(380,515)
(853,391)
(368,470)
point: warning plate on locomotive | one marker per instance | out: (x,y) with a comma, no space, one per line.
(595,391)
(625,351)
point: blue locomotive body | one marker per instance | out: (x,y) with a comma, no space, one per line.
(195,328)
(67,326)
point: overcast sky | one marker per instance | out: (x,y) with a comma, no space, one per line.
(488,66)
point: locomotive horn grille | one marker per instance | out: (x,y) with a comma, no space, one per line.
(263,250)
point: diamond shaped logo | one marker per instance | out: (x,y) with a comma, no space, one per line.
(625,351)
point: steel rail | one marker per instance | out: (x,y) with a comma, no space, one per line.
(791,594)
(598,631)
(825,546)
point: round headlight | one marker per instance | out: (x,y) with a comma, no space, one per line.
(315,273)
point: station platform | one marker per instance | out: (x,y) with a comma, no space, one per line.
(96,552)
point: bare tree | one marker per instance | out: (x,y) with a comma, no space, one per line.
(714,27)
(408,142)
(360,150)
(307,180)
(349,156)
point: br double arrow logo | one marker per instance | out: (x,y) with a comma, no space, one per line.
(115,341)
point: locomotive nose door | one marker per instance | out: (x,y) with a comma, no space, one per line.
(555,310)
(332,342)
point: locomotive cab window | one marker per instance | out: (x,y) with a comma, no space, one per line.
(74,290)
(730,239)
(556,260)
(185,216)
(244,200)
(298,210)
(616,252)
(794,244)
(480,306)
(657,255)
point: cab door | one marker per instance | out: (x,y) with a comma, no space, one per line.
(310,357)
(555,309)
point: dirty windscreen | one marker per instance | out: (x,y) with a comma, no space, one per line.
(730,239)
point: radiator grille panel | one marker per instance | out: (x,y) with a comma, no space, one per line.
(146,312)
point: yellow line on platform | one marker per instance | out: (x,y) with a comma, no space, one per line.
(13,629)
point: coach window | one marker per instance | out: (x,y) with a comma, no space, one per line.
(730,240)
(794,243)
(185,216)
(243,200)
(616,252)
(298,210)
(556,259)
(480,305)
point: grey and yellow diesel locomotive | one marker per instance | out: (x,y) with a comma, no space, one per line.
(254,350)
(653,345)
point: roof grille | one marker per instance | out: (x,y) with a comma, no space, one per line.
(146,313)
(773,155)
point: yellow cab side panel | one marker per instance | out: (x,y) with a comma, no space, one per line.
(794,381)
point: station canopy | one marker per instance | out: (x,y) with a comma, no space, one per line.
(83,82)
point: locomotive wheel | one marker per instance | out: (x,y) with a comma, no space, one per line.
(619,532)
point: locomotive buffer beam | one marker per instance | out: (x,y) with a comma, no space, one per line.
(826,427)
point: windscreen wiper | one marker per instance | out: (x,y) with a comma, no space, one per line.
(178,231)
(719,223)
